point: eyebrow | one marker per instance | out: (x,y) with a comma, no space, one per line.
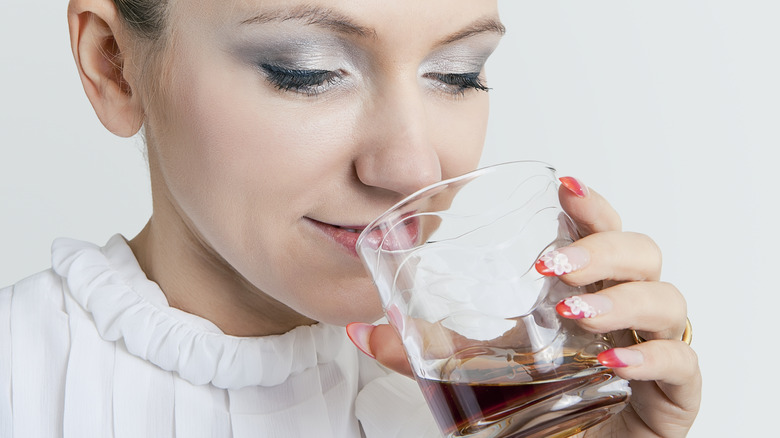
(328,18)
(480,26)
(314,15)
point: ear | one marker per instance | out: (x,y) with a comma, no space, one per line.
(101,58)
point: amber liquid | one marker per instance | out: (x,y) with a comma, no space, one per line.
(556,402)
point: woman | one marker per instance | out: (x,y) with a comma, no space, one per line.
(275,130)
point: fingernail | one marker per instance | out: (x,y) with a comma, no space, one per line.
(395,318)
(562,261)
(621,358)
(574,185)
(359,333)
(584,306)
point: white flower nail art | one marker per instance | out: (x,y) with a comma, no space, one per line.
(578,306)
(557,262)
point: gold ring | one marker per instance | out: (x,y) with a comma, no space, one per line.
(686,337)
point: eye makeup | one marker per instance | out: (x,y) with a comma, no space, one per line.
(309,82)
(458,84)
(308,61)
(296,59)
(457,68)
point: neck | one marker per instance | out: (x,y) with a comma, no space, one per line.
(196,280)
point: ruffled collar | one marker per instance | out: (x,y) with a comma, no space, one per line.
(110,285)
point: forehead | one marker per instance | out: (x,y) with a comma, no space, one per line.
(396,21)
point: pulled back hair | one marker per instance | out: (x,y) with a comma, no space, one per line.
(145,17)
(147,21)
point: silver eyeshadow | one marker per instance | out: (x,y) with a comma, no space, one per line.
(298,48)
(301,47)
(464,56)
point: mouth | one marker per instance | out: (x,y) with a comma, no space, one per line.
(344,235)
(403,237)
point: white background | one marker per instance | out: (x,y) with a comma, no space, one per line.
(668,108)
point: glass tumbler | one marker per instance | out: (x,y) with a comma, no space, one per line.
(454,267)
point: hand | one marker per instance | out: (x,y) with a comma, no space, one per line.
(665,375)
(666,380)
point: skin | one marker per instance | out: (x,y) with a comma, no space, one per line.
(244,175)
(240,170)
(667,384)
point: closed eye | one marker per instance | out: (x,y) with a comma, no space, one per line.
(459,83)
(308,82)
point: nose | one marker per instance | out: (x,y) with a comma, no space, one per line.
(396,151)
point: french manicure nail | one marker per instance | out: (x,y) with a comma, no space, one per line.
(621,358)
(562,261)
(359,333)
(584,306)
(574,185)
(395,318)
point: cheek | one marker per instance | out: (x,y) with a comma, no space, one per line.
(244,165)
(459,130)
(235,143)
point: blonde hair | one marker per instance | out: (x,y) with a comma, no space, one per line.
(145,17)
(146,21)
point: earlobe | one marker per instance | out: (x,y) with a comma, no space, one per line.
(101,61)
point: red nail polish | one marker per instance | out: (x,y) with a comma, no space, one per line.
(562,261)
(609,359)
(620,358)
(575,308)
(542,268)
(575,186)
(359,333)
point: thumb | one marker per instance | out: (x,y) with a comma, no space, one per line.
(382,343)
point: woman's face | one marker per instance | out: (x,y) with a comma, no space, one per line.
(286,126)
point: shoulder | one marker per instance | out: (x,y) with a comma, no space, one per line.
(43,290)
(32,310)
(34,347)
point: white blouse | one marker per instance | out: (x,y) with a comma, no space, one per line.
(91,348)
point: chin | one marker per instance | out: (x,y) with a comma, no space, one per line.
(347,300)
(343,313)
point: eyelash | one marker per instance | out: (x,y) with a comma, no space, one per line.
(458,83)
(313,82)
(308,82)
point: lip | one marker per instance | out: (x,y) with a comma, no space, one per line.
(347,235)
(404,234)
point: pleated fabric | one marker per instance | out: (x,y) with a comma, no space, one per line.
(91,348)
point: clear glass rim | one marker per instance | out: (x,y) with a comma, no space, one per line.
(426,190)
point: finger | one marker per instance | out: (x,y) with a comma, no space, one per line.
(588,209)
(388,349)
(656,414)
(610,255)
(673,365)
(382,343)
(657,309)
